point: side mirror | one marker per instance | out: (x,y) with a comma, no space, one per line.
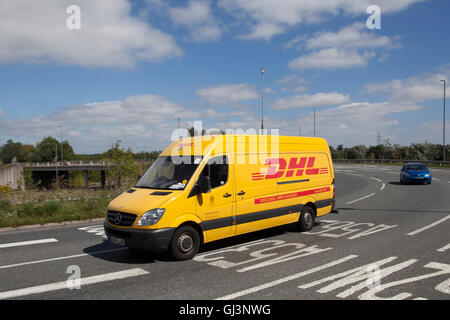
(204,184)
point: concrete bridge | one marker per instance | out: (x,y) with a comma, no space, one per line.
(11,175)
(46,172)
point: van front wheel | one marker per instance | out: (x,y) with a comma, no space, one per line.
(307,219)
(185,243)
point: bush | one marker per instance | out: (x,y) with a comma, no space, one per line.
(4,191)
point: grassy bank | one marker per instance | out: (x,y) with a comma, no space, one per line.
(14,215)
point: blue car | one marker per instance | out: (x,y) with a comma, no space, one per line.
(416,173)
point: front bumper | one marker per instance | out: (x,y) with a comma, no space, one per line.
(154,240)
(416,179)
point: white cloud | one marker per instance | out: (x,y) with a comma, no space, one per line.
(268,18)
(330,59)
(227,93)
(140,120)
(36,31)
(354,123)
(432,131)
(353,36)
(293,80)
(414,89)
(352,46)
(310,100)
(198,18)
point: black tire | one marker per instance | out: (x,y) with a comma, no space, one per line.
(307,219)
(185,243)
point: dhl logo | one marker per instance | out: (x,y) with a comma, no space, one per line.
(297,167)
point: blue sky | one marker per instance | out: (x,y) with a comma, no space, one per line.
(134,66)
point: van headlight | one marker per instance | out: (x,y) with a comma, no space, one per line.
(151,217)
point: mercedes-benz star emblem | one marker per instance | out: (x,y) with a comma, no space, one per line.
(118,218)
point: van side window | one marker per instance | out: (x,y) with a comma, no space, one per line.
(217,171)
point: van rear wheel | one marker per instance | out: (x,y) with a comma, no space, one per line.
(185,243)
(307,219)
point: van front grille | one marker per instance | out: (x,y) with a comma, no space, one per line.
(121,218)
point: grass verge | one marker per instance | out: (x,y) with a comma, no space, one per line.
(15,215)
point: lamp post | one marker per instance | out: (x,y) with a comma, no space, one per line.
(314,121)
(178,120)
(61,143)
(443,126)
(262,98)
(56,158)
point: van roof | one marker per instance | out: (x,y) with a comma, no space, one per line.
(240,143)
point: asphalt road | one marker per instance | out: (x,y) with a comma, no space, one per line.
(388,241)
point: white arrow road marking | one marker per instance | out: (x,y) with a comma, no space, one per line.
(286,279)
(63,284)
(444,248)
(27,243)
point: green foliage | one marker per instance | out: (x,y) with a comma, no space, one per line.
(45,151)
(11,150)
(51,211)
(124,165)
(416,151)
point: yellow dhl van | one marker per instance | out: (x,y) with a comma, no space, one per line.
(202,189)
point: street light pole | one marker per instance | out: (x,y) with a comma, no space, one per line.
(61,142)
(178,120)
(262,98)
(56,158)
(443,125)
(314,121)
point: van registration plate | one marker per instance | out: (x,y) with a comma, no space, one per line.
(118,241)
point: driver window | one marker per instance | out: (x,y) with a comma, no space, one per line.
(217,171)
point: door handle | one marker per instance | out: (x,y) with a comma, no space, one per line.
(241,193)
(227,195)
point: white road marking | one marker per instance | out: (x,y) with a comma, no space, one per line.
(444,248)
(98,230)
(429,226)
(27,243)
(61,258)
(382,183)
(286,279)
(355,174)
(365,197)
(436,179)
(63,284)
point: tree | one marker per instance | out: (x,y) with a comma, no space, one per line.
(193,132)
(124,165)
(11,150)
(46,149)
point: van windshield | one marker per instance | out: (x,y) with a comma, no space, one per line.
(169,173)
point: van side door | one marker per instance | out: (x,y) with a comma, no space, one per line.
(216,207)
